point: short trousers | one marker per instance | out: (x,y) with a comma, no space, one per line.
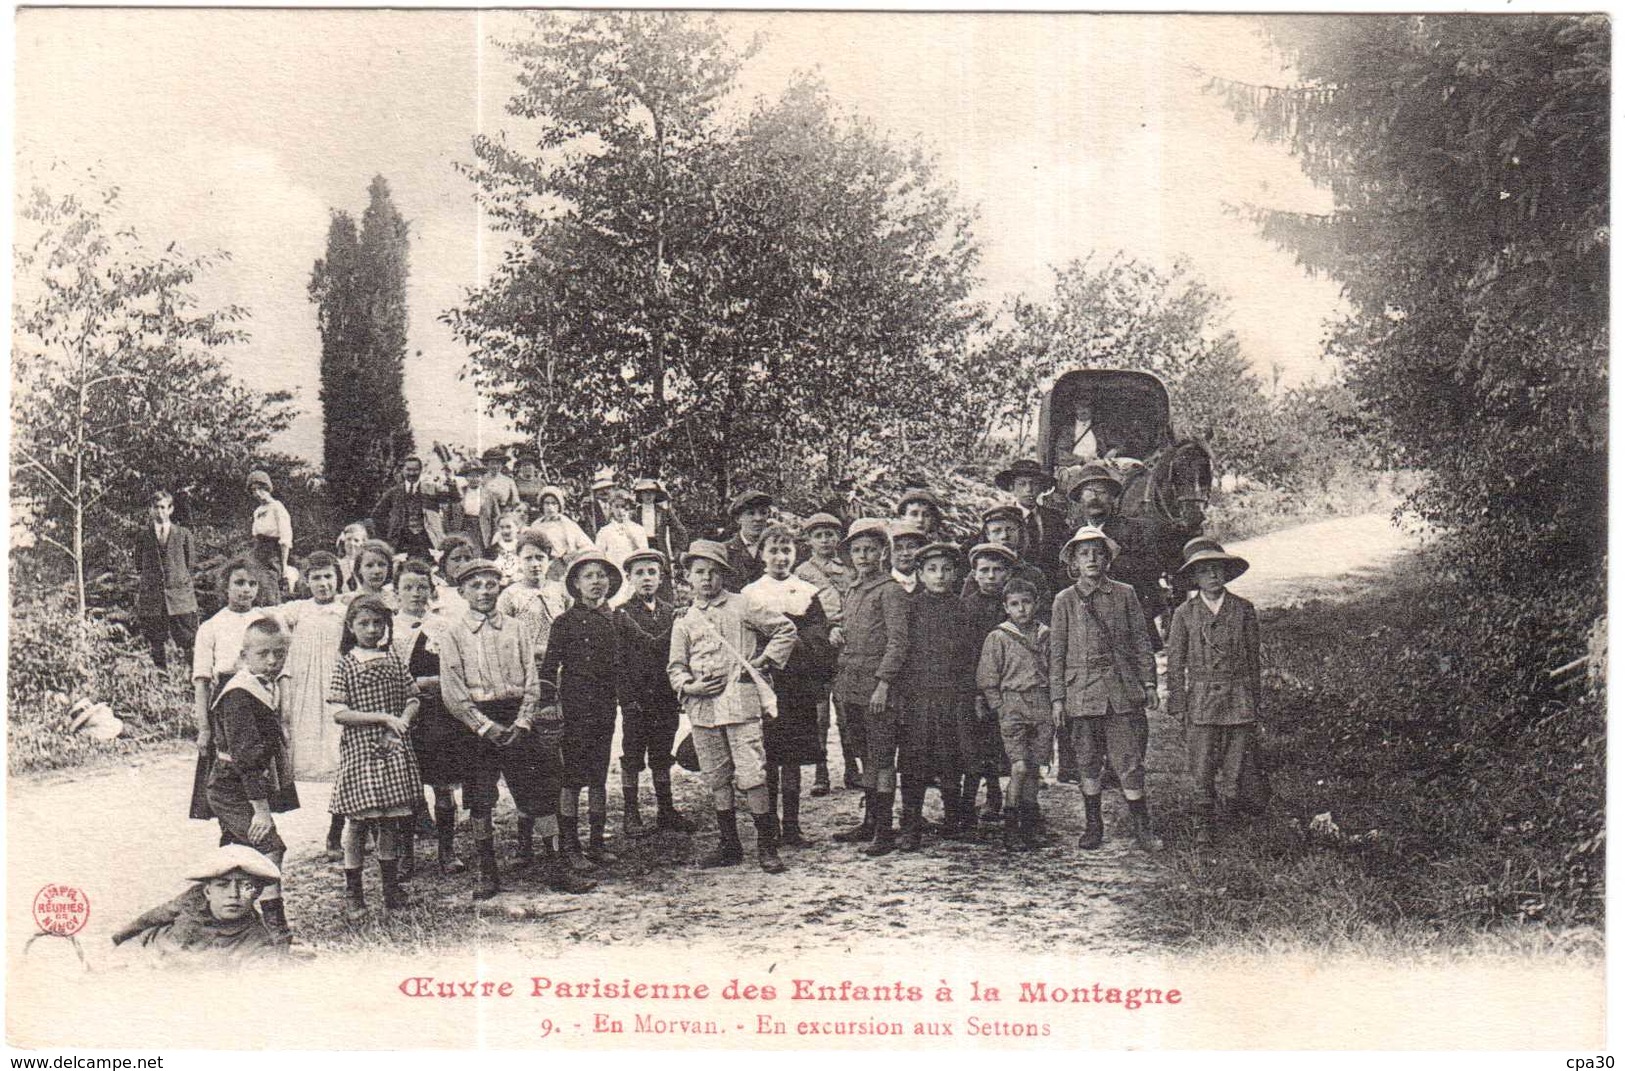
(529,766)
(732,756)
(443,745)
(586,745)
(1117,739)
(1026,726)
(648,734)
(234,813)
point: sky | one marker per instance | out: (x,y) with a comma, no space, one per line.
(241,131)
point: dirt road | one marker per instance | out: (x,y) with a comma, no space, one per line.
(117,835)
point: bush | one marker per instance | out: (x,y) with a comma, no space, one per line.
(49,670)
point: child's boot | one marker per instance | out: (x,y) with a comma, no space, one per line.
(570,845)
(668,819)
(1144,837)
(595,840)
(631,819)
(524,851)
(335,839)
(1012,828)
(445,831)
(820,787)
(790,835)
(355,900)
(557,873)
(395,897)
(1027,819)
(884,838)
(853,778)
(995,801)
(485,874)
(729,851)
(276,919)
(767,843)
(909,835)
(1094,831)
(864,830)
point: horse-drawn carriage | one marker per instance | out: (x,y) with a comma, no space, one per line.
(1120,419)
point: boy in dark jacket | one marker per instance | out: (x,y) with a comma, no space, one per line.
(165,598)
(649,707)
(938,684)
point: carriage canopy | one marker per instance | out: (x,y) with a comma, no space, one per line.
(1096,412)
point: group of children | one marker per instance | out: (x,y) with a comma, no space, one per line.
(941,668)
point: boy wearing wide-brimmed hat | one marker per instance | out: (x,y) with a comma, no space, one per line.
(1097,491)
(720,647)
(1214,680)
(876,623)
(1101,679)
(749,511)
(649,708)
(1044,528)
(580,674)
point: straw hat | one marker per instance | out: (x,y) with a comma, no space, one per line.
(95,720)
(575,563)
(651,485)
(1209,551)
(1088,533)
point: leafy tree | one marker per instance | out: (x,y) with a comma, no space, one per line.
(1128,314)
(118,384)
(359,288)
(1468,158)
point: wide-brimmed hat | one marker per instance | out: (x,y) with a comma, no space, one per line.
(746,499)
(710,550)
(478,565)
(1093,472)
(556,492)
(1087,534)
(96,720)
(602,480)
(576,562)
(648,484)
(919,494)
(938,549)
(1009,513)
(1026,466)
(261,478)
(820,520)
(647,554)
(224,860)
(908,530)
(1210,551)
(495,453)
(1197,543)
(997,550)
(868,526)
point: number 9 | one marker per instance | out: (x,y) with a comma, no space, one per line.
(547,1027)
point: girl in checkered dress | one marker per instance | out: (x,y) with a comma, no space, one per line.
(374,699)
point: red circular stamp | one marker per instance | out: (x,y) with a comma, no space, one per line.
(61,910)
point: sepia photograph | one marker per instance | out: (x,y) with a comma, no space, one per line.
(672,530)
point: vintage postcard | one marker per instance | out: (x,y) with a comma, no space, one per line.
(658,530)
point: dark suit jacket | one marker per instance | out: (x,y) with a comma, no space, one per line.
(1045,533)
(164,587)
(746,566)
(394,506)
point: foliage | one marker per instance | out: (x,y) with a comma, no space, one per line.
(1468,158)
(1468,790)
(360,290)
(46,674)
(680,293)
(118,386)
(1125,313)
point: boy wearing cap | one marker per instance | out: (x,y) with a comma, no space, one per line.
(824,569)
(750,511)
(1101,679)
(1043,528)
(922,509)
(1002,526)
(876,622)
(719,648)
(250,777)
(489,682)
(579,677)
(1214,682)
(1012,675)
(938,690)
(983,603)
(649,708)
(907,539)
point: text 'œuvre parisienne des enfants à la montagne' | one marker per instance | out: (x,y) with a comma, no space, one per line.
(803,993)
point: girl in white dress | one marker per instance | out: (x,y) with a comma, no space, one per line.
(317,626)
